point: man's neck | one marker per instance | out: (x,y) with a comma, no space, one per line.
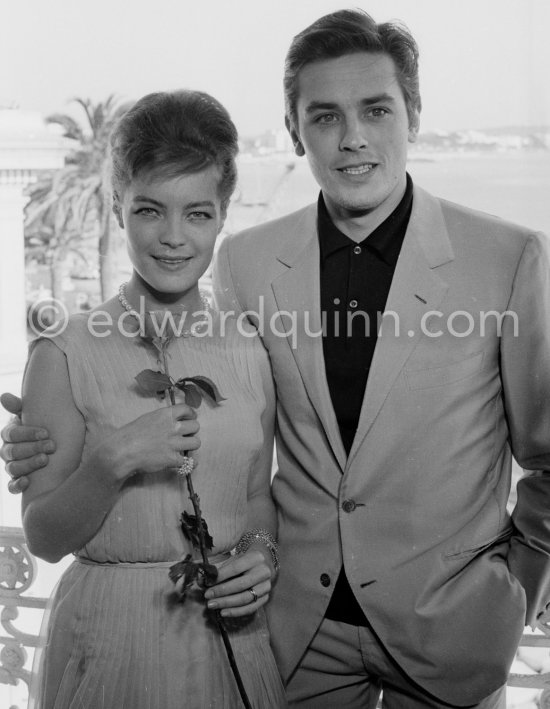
(358,224)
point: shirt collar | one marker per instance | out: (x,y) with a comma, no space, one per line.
(385,240)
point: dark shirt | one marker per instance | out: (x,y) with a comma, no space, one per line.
(355,279)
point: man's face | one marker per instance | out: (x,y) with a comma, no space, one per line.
(353,125)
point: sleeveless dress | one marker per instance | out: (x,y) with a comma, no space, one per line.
(116,637)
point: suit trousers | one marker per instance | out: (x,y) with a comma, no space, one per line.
(346,666)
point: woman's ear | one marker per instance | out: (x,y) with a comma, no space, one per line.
(117,210)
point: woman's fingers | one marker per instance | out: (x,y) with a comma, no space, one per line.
(244,584)
(242,603)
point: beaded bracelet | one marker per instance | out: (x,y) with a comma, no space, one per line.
(263,536)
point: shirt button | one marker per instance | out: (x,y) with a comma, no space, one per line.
(353,304)
(325,580)
(356,249)
(348,505)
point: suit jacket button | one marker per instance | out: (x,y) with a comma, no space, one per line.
(348,505)
(325,580)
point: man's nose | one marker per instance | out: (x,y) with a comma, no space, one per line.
(354,136)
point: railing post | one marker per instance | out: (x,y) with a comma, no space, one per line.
(538,680)
(17,574)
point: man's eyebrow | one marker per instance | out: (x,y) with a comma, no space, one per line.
(381,98)
(331,106)
(320,106)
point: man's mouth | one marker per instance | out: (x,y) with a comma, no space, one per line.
(358,169)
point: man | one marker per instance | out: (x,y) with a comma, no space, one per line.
(400,568)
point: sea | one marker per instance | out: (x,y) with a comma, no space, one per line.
(514,185)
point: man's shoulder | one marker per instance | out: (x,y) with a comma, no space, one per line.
(477,231)
(462,216)
(272,233)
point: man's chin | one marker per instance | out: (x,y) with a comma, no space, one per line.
(355,205)
(360,201)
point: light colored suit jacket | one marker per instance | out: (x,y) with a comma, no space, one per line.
(417,511)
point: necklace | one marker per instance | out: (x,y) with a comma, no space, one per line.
(190,332)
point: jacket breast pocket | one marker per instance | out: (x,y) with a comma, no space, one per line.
(444,374)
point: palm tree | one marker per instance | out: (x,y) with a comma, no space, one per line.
(74,203)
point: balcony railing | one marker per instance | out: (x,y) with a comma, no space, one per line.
(18,572)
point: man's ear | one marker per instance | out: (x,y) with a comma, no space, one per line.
(414,126)
(223,216)
(296,142)
(117,210)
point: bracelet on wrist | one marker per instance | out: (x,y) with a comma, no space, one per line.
(265,538)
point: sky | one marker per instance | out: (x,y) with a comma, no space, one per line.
(484,63)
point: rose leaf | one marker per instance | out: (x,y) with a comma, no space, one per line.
(193,395)
(208,387)
(153,382)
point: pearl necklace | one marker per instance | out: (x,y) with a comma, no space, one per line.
(191,332)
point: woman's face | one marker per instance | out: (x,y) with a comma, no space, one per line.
(172,225)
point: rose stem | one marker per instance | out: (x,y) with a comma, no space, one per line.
(219,619)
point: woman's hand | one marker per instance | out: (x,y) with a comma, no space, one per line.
(151,443)
(244,583)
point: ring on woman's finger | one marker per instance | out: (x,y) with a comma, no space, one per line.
(187,465)
(254,594)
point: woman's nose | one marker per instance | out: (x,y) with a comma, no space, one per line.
(174,234)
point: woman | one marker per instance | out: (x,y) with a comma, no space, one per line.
(118,635)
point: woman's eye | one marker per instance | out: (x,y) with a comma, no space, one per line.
(147,212)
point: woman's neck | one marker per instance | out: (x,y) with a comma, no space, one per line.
(142,297)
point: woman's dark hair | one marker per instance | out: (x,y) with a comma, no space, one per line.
(349,32)
(174,133)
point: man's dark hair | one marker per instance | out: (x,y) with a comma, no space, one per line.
(350,32)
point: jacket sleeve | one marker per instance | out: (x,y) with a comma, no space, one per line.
(223,287)
(525,371)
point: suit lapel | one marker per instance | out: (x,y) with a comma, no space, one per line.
(416,289)
(297,291)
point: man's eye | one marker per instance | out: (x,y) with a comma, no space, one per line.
(326,118)
(200,215)
(378,112)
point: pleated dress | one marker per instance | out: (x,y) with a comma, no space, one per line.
(116,636)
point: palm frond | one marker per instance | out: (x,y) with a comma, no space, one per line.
(70,126)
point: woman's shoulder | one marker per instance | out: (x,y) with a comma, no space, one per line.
(80,328)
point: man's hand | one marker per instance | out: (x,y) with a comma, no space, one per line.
(25,448)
